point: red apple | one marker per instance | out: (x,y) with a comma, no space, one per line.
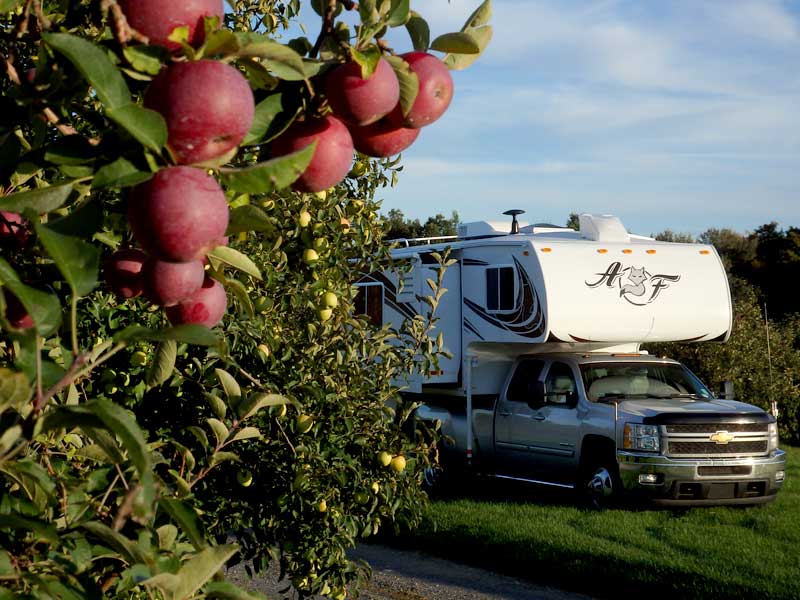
(167,283)
(360,101)
(385,138)
(179,214)
(157,18)
(205,307)
(16,314)
(435,89)
(332,156)
(13,229)
(208,106)
(123,272)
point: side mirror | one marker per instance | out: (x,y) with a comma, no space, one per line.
(726,391)
(536,399)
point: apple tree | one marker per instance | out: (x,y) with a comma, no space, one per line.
(188,195)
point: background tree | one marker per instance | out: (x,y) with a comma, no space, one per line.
(135,441)
(397,226)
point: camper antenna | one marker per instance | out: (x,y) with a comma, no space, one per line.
(513,214)
(772,403)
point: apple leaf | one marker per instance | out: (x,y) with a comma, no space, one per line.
(229,384)
(400,13)
(15,389)
(147,126)
(367,58)
(266,177)
(201,568)
(271,119)
(282,60)
(41,200)
(95,66)
(479,17)
(78,261)
(419,31)
(164,364)
(235,259)
(118,174)
(146,59)
(70,150)
(460,42)
(457,62)
(368,11)
(249,218)
(83,222)
(185,518)
(239,290)
(255,402)
(409,82)
(221,41)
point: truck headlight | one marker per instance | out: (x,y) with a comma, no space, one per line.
(641,437)
(773,436)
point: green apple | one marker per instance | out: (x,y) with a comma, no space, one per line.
(375,487)
(384,458)
(278,410)
(398,463)
(138,359)
(304,218)
(310,256)
(321,244)
(244,477)
(324,314)
(330,300)
(263,351)
(322,506)
(304,423)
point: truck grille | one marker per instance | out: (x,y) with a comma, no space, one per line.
(712,427)
(696,448)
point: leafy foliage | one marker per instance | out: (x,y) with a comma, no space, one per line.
(138,459)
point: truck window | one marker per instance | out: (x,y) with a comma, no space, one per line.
(369,301)
(500,289)
(559,385)
(640,379)
(526,373)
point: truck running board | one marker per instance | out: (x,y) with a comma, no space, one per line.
(526,480)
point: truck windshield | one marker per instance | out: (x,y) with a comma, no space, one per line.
(619,380)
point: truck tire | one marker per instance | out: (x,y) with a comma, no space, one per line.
(601,484)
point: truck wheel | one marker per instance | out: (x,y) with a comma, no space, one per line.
(601,485)
(432,477)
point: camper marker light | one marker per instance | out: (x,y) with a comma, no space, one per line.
(547,249)
(637,436)
(627,251)
(651,251)
(602,251)
(704,252)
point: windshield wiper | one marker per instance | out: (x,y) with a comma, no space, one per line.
(682,395)
(620,396)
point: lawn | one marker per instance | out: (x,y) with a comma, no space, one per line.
(717,552)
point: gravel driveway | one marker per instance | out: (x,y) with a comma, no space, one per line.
(410,575)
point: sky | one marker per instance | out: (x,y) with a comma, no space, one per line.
(681,115)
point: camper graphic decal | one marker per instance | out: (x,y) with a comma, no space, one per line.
(636,285)
(390,294)
(527,320)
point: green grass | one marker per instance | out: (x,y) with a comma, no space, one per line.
(719,552)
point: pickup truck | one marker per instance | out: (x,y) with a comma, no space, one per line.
(613,426)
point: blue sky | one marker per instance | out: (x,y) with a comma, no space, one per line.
(682,115)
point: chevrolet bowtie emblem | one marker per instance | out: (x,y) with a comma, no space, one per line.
(722,437)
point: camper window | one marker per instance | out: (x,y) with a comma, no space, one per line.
(369,301)
(500,288)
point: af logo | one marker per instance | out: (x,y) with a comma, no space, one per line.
(635,285)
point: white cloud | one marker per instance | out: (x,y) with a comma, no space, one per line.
(764,19)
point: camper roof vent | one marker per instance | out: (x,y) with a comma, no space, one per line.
(603,228)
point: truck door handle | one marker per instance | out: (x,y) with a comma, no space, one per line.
(504,414)
(538,417)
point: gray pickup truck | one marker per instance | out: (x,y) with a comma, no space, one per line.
(611,425)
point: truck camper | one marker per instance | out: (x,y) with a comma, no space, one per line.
(544,379)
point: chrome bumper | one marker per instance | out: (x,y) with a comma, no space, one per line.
(751,480)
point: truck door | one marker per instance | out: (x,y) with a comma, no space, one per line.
(542,439)
(511,455)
